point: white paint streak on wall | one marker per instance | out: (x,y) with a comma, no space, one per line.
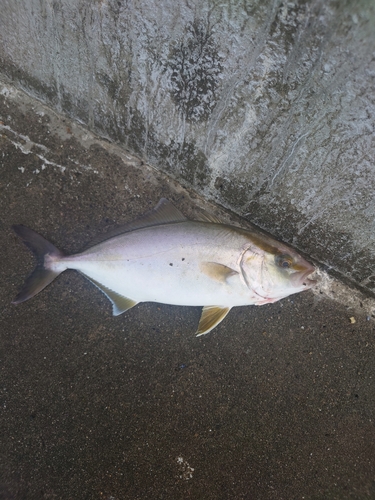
(29,147)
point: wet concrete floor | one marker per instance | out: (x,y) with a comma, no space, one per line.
(278,402)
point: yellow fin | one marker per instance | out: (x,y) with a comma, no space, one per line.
(216,271)
(120,303)
(211,317)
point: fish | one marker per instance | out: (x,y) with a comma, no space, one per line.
(166,258)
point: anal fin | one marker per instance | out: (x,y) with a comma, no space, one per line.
(211,317)
(120,303)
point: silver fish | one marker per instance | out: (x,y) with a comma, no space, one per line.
(164,257)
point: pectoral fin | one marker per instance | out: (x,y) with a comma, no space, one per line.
(211,317)
(216,271)
(120,303)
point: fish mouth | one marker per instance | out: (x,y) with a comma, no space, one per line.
(301,278)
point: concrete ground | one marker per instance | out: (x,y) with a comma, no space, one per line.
(278,402)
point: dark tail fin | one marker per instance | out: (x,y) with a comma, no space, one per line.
(41,276)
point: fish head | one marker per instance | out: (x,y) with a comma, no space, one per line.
(273,270)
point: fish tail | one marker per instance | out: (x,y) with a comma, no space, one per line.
(45,253)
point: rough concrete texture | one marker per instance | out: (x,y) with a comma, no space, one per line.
(266,107)
(276,403)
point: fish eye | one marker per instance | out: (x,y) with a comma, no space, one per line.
(284,260)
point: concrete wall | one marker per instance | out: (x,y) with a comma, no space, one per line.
(266,107)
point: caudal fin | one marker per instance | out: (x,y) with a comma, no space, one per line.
(44,251)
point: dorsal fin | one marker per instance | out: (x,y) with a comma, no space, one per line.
(164,213)
(207,217)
